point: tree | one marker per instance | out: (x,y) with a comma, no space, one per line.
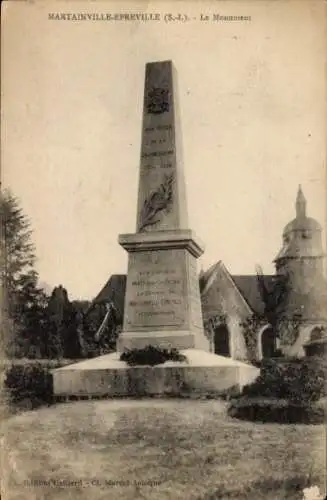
(25,301)
(63,339)
(102,324)
(19,258)
(274,297)
(251,326)
(276,301)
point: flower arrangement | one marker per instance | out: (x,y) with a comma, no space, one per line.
(151,355)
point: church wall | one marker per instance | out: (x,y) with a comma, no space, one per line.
(221,297)
(305,274)
(307,289)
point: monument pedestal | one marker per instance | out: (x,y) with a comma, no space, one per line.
(162,302)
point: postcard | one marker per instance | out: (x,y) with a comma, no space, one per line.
(163,230)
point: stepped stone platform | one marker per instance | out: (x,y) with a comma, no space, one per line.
(107,376)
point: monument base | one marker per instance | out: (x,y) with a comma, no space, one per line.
(107,376)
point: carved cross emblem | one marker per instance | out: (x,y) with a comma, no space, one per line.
(157,101)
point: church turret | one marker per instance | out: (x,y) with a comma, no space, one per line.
(301,261)
(300,204)
(301,241)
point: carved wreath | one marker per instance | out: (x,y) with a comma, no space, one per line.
(157,201)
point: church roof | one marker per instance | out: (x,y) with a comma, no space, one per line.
(302,235)
(302,224)
(113,290)
(248,286)
(301,221)
(306,247)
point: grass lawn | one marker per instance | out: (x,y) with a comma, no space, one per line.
(178,449)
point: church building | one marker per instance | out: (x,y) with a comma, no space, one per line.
(251,317)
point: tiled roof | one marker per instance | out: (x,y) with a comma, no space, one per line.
(113,290)
(302,224)
(248,286)
(303,248)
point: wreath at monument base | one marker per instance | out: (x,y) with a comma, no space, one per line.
(151,355)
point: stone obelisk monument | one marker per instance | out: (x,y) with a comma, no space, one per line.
(162,301)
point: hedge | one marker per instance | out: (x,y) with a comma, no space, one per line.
(281,411)
(296,380)
(286,391)
(29,384)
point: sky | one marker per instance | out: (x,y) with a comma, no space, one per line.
(252,106)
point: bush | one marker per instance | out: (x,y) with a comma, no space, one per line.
(280,411)
(30,383)
(151,355)
(286,391)
(297,380)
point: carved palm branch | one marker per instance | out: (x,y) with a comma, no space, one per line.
(157,201)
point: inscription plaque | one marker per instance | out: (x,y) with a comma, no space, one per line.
(156,289)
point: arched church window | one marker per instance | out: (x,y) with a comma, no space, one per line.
(317,333)
(221,340)
(268,342)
